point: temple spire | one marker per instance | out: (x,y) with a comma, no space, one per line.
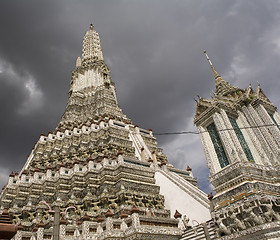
(91,45)
(223,88)
(216,74)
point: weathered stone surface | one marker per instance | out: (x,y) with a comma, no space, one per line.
(95,160)
(242,153)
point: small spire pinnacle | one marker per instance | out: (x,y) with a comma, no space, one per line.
(79,62)
(216,74)
(91,26)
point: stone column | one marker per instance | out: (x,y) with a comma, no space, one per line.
(236,146)
(109,220)
(206,231)
(224,136)
(123,224)
(40,233)
(135,217)
(56,223)
(49,172)
(85,229)
(212,163)
(62,228)
(99,229)
(18,235)
(273,130)
(258,150)
(263,130)
(251,123)
(109,224)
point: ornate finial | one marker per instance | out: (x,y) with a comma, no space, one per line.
(79,62)
(216,74)
(91,26)
(208,58)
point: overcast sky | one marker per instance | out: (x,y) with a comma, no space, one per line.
(154,50)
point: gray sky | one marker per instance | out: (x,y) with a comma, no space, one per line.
(154,50)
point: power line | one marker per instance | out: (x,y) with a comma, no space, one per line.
(221,130)
(176,133)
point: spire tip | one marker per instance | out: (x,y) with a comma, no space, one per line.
(213,69)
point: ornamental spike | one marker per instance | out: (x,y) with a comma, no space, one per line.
(216,74)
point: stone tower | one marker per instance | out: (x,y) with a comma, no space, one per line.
(240,134)
(107,177)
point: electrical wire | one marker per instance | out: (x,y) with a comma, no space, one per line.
(221,130)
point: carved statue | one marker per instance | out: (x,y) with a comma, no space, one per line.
(236,224)
(148,200)
(250,217)
(152,210)
(47,216)
(148,213)
(16,217)
(138,200)
(95,206)
(277,202)
(222,230)
(159,202)
(112,203)
(268,212)
(128,199)
(87,205)
(104,201)
(79,210)
(186,222)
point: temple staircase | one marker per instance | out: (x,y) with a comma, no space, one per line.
(203,231)
(186,186)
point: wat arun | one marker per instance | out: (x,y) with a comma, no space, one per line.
(97,175)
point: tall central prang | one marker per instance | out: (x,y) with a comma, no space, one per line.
(107,177)
(92,93)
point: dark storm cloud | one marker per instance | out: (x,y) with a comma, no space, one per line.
(154,51)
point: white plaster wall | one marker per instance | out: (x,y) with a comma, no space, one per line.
(177,199)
